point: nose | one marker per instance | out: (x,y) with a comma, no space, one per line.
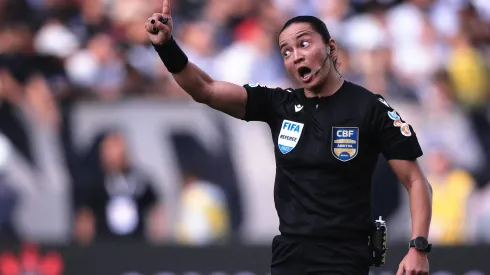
(298,57)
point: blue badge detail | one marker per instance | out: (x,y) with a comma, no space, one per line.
(345,142)
(289,135)
(393,115)
(253,85)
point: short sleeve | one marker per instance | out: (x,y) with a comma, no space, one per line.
(395,137)
(262,102)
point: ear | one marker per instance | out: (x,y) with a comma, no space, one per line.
(330,49)
(332,44)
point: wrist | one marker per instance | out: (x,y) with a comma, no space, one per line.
(416,251)
(172,56)
(163,44)
(420,244)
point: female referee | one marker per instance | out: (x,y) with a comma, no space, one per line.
(327,136)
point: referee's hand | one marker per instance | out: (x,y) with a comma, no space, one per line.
(414,263)
(159,25)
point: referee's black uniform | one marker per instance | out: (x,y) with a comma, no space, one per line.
(326,149)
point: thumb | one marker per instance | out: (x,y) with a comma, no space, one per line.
(401,269)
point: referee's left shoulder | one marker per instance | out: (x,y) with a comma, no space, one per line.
(361,92)
(364,97)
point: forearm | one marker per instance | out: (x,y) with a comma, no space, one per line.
(420,194)
(188,76)
(195,82)
(226,97)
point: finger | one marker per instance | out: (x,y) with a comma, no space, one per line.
(161,27)
(158,17)
(166,8)
(150,28)
(154,18)
(155,24)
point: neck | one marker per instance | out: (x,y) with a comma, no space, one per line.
(330,86)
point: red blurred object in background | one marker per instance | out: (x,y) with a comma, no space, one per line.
(32,261)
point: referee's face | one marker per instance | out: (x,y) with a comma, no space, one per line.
(305,55)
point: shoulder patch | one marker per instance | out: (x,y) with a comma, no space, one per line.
(396,118)
(398,122)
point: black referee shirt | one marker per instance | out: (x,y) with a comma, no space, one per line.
(326,149)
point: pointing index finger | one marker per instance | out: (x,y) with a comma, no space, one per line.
(166,8)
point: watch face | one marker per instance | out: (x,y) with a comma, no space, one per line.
(421,243)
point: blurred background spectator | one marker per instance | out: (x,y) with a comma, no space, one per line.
(115,199)
(9,196)
(60,58)
(203,211)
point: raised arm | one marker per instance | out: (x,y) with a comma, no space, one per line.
(223,96)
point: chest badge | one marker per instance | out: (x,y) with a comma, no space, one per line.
(345,142)
(289,135)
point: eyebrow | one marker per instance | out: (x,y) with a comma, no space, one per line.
(305,33)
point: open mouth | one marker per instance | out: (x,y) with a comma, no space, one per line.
(305,73)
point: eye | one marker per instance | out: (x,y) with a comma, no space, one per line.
(305,44)
(287,53)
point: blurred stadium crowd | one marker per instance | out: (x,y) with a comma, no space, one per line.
(429,58)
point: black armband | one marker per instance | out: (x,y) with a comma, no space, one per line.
(172,56)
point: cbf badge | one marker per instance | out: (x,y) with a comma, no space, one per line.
(289,135)
(345,142)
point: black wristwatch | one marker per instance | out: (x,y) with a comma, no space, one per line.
(421,244)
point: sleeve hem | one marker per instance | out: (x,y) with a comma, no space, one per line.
(246,116)
(404,151)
